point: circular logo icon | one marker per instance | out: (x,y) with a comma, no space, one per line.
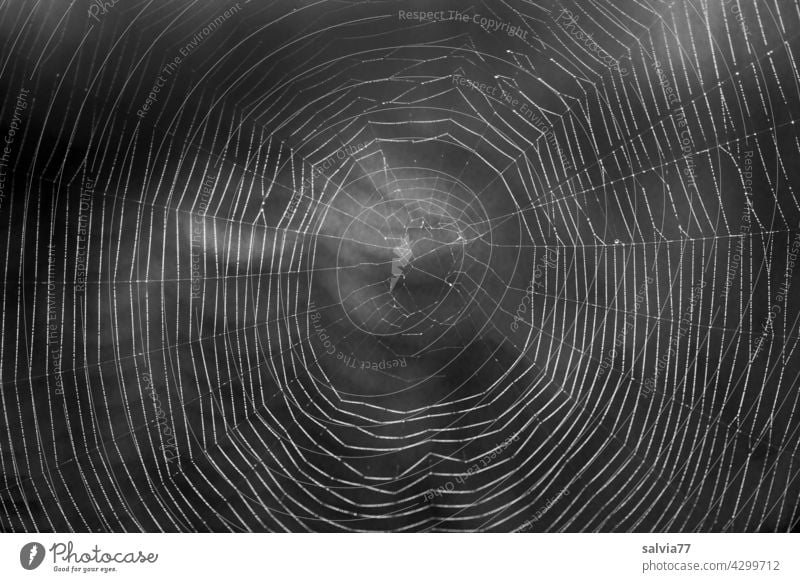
(31,555)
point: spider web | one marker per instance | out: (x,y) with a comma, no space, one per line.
(350,271)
